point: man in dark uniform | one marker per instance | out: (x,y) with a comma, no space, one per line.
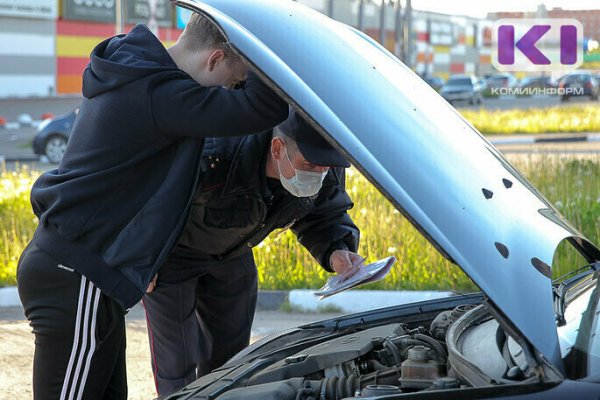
(201,310)
(114,208)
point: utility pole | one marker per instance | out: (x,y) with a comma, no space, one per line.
(408,34)
(382,23)
(152,21)
(361,15)
(399,45)
(330,9)
(118,17)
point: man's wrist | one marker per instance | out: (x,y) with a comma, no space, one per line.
(340,245)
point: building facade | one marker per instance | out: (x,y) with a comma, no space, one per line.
(45,44)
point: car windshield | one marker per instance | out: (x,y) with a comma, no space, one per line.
(459,82)
(575,78)
(532,80)
(579,336)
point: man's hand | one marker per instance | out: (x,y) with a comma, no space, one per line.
(343,261)
(152,284)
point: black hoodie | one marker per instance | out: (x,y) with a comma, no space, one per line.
(120,196)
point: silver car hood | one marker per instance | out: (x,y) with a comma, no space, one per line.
(435,167)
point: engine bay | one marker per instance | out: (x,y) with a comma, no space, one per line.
(458,348)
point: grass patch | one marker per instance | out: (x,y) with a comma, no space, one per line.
(536,120)
(17,221)
(287,307)
(572,185)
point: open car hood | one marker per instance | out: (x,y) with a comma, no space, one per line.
(435,167)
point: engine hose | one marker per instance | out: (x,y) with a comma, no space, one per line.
(333,388)
(406,341)
(376,365)
(389,345)
(437,345)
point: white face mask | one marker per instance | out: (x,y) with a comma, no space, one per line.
(303,183)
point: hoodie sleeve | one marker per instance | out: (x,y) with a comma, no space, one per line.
(183,108)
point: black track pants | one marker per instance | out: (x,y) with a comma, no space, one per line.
(79,331)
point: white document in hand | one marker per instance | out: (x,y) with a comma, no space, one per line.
(366,274)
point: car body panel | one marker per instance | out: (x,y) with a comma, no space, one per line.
(60,125)
(581,80)
(435,167)
(501,80)
(461,87)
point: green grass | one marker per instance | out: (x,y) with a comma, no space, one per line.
(17,221)
(287,307)
(573,186)
(547,120)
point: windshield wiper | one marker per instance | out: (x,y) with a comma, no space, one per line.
(561,290)
(593,267)
(559,303)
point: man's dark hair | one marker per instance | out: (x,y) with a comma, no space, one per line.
(290,142)
(201,33)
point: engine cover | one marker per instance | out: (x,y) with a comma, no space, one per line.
(327,354)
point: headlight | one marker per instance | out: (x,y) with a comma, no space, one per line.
(43,124)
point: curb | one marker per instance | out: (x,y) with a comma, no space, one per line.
(9,297)
(303,300)
(352,301)
(518,138)
(271,300)
(18,125)
(268,300)
(19,158)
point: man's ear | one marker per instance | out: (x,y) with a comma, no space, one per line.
(214,58)
(277,148)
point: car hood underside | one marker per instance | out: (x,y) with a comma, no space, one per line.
(434,166)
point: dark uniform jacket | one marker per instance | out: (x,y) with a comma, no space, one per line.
(116,205)
(234,210)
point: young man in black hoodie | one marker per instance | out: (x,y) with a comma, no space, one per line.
(114,208)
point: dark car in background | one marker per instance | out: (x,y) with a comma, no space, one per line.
(435,82)
(501,81)
(579,84)
(537,82)
(462,88)
(53,135)
(524,336)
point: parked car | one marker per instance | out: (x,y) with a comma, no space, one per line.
(581,83)
(462,87)
(503,80)
(541,82)
(435,82)
(52,136)
(521,337)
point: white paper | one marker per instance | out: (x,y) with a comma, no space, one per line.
(365,274)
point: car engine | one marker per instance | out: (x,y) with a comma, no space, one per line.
(463,347)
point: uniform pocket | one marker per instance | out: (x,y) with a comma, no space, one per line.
(227,218)
(241,213)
